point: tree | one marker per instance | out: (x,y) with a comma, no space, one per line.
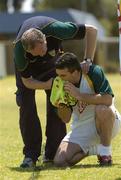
(106,13)
(15,3)
(55,4)
(3,5)
(104,10)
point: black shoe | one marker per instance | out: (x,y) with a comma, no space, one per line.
(47,160)
(105,160)
(28,163)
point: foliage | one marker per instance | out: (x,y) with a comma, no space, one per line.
(11,143)
(62,4)
(3,5)
(105,11)
(16,4)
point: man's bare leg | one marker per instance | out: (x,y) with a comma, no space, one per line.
(68,154)
(105,118)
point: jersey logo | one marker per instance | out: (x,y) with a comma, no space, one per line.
(52,52)
(81,106)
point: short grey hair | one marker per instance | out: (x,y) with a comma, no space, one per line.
(30,37)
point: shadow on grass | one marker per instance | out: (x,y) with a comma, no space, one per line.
(80,166)
(50,166)
(19,169)
(35,172)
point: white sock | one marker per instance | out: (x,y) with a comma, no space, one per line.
(104,150)
(93,150)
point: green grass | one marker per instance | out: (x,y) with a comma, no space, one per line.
(11,143)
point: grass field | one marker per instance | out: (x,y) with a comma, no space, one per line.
(11,143)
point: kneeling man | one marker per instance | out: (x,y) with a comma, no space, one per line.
(95,120)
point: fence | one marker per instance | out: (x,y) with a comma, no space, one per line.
(107,54)
(6,58)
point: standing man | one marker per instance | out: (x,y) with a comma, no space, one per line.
(95,119)
(37,46)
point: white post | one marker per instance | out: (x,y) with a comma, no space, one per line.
(3,71)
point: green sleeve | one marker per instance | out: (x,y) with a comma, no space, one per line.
(100,83)
(61,30)
(19,57)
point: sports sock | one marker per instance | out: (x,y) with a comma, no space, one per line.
(104,150)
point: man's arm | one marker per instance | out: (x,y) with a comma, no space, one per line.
(90,46)
(96,99)
(90,42)
(32,83)
(70,31)
(64,112)
(105,99)
(103,92)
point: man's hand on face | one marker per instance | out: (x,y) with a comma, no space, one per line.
(72,90)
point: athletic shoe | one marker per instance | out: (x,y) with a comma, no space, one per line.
(47,160)
(28,163)
(105,160)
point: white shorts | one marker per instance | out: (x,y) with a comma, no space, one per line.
(85,135)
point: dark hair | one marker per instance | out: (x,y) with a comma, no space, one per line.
(68,60)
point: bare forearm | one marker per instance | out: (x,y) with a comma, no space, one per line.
(95,99)
(35,84)
(91,39)
(64,113)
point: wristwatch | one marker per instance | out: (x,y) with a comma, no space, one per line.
(88,60)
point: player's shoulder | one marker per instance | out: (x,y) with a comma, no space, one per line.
(19,56)
(96,73)
(95,70)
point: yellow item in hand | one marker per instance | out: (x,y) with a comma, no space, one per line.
(59,96)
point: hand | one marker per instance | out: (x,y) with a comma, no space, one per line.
(85,65)
(64,112)
(72,90)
